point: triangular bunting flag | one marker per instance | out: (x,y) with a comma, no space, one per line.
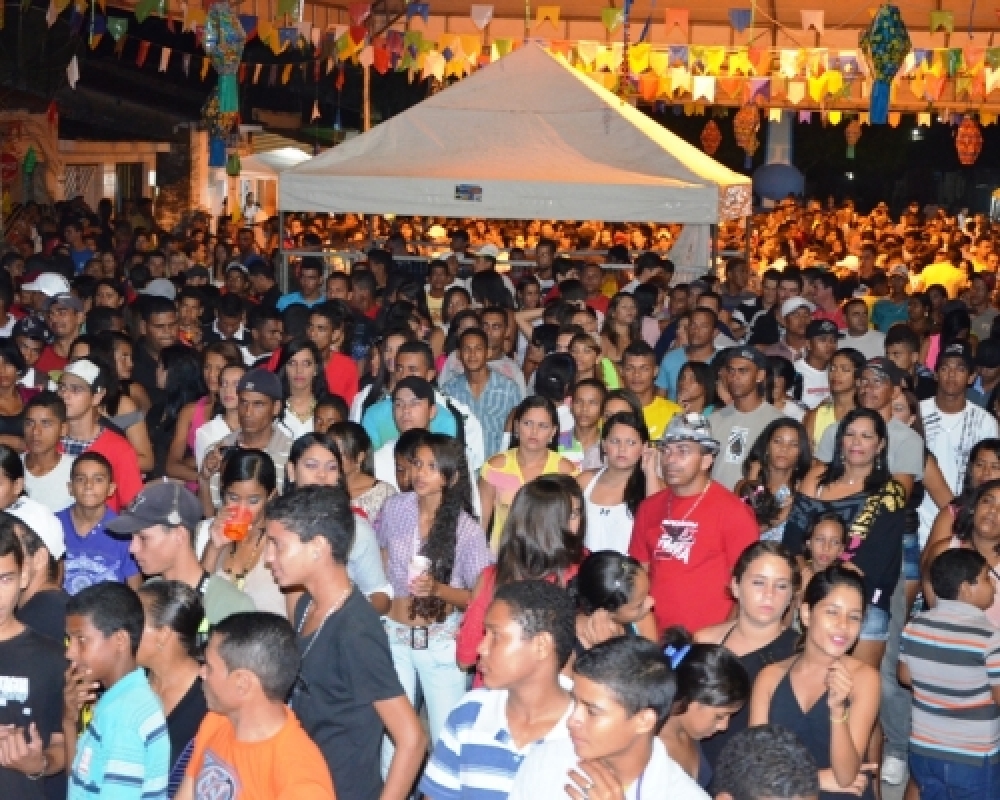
(73,72)
(140,57)
(164,59)
(813,19)
(481,15)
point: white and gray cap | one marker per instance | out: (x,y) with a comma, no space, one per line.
(690,427)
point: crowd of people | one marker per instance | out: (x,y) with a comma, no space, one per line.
(447,526)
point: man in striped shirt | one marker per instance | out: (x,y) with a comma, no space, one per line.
(529,637)
(950,655)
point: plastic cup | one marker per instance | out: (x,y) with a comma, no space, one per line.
(418,566)
(237,526)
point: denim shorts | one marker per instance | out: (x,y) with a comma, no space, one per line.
(911,556)
(875,625)
(939,779)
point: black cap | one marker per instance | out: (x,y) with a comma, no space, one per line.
(197,271)
(263,382)
(822,327)
(960,350)
(258,266)
(886,369)
(32,327)
(988,354)
(749,353)
(421,388)
(164,502)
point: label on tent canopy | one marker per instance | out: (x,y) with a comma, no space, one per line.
(468,193)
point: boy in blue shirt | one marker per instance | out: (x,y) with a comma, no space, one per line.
(92,553)
(124,751)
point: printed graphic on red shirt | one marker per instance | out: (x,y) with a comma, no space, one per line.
(677,539)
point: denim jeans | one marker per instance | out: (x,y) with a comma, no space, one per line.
(938,779)
(896,701)
(435,671)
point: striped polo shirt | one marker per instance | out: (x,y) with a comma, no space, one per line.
(124,752)
(475,757)
(953,654)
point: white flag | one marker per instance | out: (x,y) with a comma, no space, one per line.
(73,72)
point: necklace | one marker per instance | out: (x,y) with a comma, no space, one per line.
(239,578)
(338,604)
(690,511)
(301,417)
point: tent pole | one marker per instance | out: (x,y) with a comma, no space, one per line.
(366,102)
(713,231)
(283,275)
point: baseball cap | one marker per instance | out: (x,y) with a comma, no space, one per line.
(237,266)
(66,300)
(957,350)
(988,354)
(886,369)
(690,427)
(489,251)
(900,270)
(160,287)
(32,327)
(49,283)
(822,327)
(197,271)
(84,369)
(751,354)
(421,388)
(42,522)
(164,502)
(258,266)
(262,382)
(793,304)
(849,262)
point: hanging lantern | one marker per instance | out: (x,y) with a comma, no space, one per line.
(968,141)
(852,133)
(224,41)
(885,44)
(711,137)
(746,123)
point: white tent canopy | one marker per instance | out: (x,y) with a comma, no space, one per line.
(270,164)
(528,137)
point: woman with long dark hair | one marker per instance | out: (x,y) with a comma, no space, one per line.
(621,326)
(826,697)
(180,377)
(764,584)
(782,383)
(236,535)
(180,457)
(779,460)
(696,388)
(542,539)
(843,374)
(977,527)
(614,492)
(367,492)
(434,552)
(532,454)
(857,486)
(616,587)
(300,367)
(169,652)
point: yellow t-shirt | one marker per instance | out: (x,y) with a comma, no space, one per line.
(658,414)
(947,275)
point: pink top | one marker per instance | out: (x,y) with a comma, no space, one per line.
(198,418)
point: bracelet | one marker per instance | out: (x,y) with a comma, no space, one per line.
(847,715)
(41,772)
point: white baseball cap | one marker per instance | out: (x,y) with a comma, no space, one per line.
(48,283)
(42,522)
(793,304)
(489,251)
(161,287)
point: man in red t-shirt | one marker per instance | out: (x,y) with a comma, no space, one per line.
(64,314)
(82,387)
(690,535)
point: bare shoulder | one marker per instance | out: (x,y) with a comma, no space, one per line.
(585,477)
(713,634)
(497,461)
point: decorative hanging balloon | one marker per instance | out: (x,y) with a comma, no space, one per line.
(224,40)
(711,137)
(852,133)
(746,123)
(968,141)
(885,43)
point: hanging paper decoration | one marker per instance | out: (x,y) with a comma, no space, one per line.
(73,73)
(233,165)
(612,18)
(224,41)
(677,17)
(746,123)
(249,24)
(815,20)
(740,18)
(942,20)
(481,15)
(31,158)
(359,12)
(550,13)
(711,137)
(146,7)
(968,141)
(885,43)
(422,10)
(852,133)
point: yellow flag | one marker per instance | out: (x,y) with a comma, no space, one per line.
(286,73)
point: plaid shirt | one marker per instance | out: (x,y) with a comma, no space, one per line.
(491,408)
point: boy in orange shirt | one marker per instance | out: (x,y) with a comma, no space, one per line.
(251,746)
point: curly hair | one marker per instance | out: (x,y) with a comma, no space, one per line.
(766,761)
(442,538)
